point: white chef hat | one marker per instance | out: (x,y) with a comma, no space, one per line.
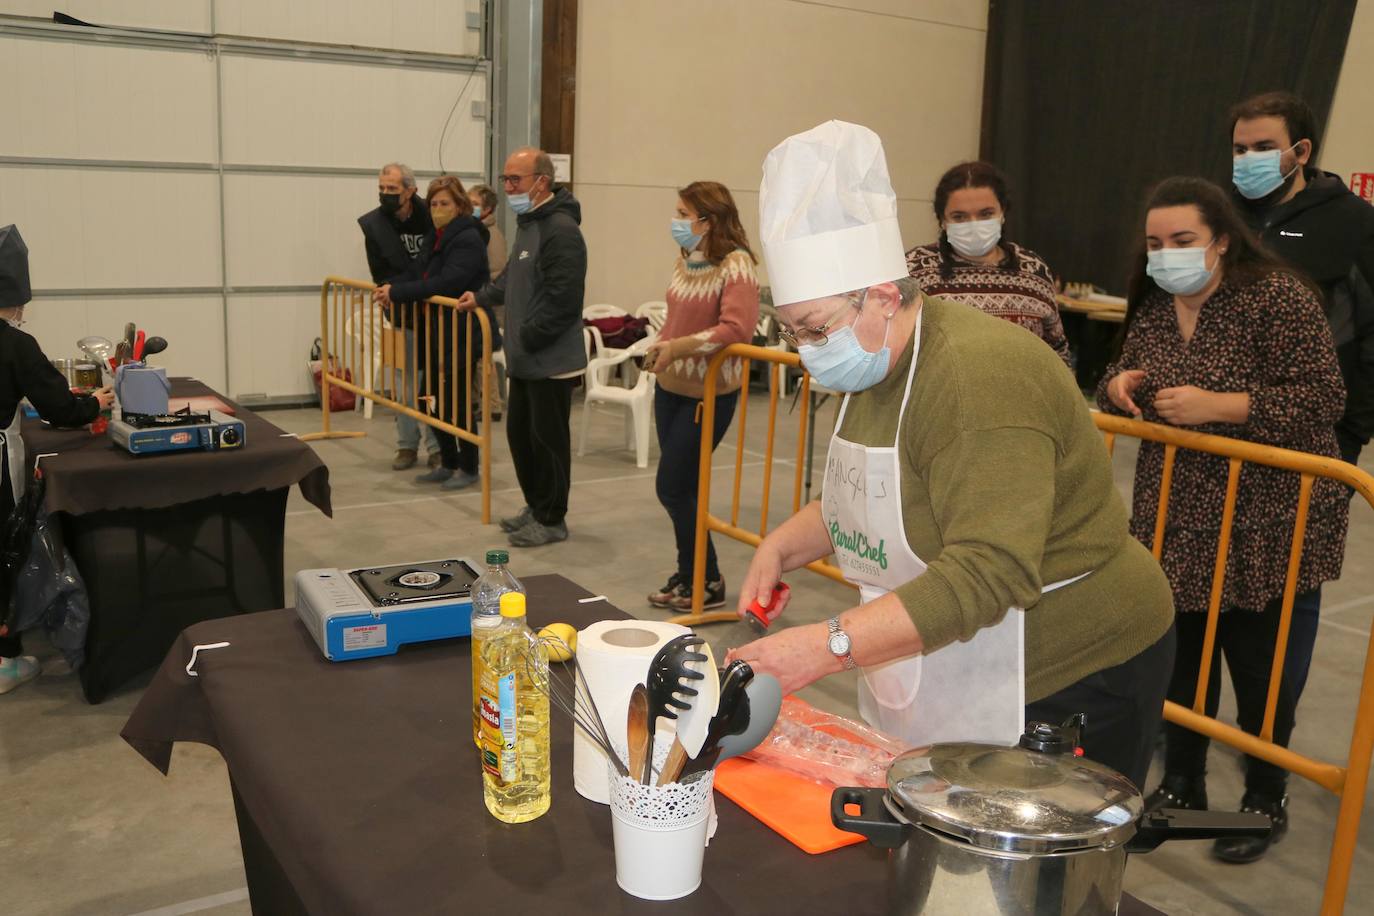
(828,214)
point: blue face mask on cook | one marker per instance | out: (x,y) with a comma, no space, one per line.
(842,364)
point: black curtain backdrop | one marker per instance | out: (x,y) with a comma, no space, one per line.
(1086,104)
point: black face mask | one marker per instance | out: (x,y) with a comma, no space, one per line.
(390,202)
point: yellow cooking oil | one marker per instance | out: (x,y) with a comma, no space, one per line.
(515,718)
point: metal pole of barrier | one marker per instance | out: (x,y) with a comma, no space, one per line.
(767,454)
(1166,483)
(331,295)
(1290,590)
(739,453)
(1209,639)
(1352,793)
(708,422)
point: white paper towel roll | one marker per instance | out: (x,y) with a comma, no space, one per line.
(614,655)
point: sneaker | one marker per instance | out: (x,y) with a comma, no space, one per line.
(17,671)
(535,534)
(404,460)
(517,521)
(58,666)
(1244,850)
(435,459)
(715,596)
(434,475)
(458,481)
(1187,792)
(664,595)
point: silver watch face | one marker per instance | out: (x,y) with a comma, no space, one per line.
(839,644)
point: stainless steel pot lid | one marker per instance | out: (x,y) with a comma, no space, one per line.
(1014,799)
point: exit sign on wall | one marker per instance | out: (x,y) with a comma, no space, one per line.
(1362,183)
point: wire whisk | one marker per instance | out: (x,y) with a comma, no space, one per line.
(566,688)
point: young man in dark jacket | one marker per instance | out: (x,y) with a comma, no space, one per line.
(393,235)
(1312,221)
(542,289)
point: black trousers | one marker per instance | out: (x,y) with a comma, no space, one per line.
(11,645)
(1123,706)
(448,357)
(537,414)
(1247,638)
(679,445)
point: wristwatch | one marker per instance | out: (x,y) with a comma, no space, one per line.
(838,643)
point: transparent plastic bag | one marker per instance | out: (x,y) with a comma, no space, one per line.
(827,748)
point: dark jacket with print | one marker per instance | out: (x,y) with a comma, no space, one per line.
(542,288)
(452,261)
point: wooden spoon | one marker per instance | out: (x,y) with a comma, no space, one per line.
(637,730)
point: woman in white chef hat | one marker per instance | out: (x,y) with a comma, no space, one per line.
(967,493)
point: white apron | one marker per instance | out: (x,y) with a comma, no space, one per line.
(964,691)
(12,445)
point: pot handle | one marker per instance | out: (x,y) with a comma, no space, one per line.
(873,821)
(1181,824)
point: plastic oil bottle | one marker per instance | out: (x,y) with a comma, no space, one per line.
(486,615)
(515,718)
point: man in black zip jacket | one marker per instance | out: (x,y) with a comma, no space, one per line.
(1311,220)
(393,235)
(542,288)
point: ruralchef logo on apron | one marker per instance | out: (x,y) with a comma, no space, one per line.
(857,543)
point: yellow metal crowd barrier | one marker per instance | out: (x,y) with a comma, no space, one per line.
(1346,780)
(362,350)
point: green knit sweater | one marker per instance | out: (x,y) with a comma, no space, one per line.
(1006,487)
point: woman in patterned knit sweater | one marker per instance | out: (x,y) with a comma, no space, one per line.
(1220,338)
(713,301)
(971,263)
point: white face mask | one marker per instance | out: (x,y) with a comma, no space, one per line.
(974,238)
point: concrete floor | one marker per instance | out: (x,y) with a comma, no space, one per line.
(91,828)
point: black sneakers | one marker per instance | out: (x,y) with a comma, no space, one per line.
(664,596)
(715,596)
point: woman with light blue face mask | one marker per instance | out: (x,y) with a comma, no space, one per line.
(1221,338)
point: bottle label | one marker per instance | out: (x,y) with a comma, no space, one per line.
(489,709)
(506,695)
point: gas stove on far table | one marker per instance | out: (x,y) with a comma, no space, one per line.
(150,434)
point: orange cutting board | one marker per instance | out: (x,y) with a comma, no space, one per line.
(792,805)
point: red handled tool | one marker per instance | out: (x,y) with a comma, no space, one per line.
(757,614)
(139,341)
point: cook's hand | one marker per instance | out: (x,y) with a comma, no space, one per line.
(1185,406)
(764,572)
(1121,389)
(796,656)
(467,301)
(382,295)
(105,396)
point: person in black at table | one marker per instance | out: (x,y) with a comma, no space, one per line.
(393,235)
(453,262)
(25,373)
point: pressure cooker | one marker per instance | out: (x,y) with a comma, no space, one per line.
(1030,829)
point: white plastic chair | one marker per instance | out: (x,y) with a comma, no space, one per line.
(656,312)
(638,401)
(356,327)
(602,310)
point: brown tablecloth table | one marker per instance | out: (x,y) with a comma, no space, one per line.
(164,541)
(358,790)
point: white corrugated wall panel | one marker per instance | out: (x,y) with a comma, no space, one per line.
(434,26)
(106,228)
(290,112)
(192,325)
(285,230)
(269,342)
(106,102)
(165,15)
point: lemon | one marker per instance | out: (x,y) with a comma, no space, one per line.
(557,631)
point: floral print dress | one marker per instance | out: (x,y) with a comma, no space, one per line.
(1267,337)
